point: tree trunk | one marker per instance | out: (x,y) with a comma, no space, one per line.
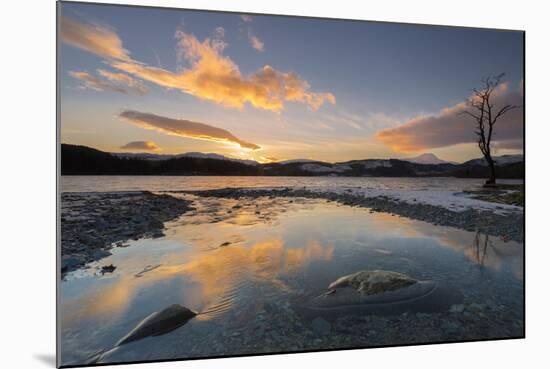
(492,176)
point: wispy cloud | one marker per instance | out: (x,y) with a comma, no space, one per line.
(215,77)
(109,81)
(255,42)
(184,128)
(95,83)
(96,39)
(210,75)
(369,122)
(124,79)
(141,145)
(449,127)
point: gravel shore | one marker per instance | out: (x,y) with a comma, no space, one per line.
(91,223)
(507,226)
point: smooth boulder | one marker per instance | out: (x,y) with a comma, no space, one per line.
(373,282)
(159,323)
(378,292)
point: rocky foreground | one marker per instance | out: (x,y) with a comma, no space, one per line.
(91,223)
(508,226)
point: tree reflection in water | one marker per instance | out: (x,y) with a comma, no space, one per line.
(480,245)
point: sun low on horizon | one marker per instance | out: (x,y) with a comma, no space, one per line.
(274,88)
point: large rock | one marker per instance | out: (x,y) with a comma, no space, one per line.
(159,323)
(156,324)
(373,282)
(378,292)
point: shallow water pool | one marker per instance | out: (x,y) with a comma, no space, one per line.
(243,264)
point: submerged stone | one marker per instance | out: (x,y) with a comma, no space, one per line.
(373,282)
(378,292)
(159,323)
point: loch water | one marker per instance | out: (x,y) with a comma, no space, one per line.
(245,263)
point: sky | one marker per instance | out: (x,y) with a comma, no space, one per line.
(272,88)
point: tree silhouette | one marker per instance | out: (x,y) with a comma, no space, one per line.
(485,114)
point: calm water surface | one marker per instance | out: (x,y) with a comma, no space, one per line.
(178,183)
(247,264)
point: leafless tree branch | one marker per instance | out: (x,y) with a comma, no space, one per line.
(482,110)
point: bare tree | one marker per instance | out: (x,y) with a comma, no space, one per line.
(482,109)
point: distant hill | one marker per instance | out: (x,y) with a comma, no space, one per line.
(82,160)
(428,158)
(499,160)
(200,155)
(292,161)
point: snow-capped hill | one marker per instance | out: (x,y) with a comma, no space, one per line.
(293,161)
(371,163)
(499,160)
(201,155)
(142,155)
(197,155)
(509,159)
(427,158)
(318,168)
(75,159)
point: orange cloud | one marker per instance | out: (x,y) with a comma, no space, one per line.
(215,77)
(125,79)
(140,145)
(116,82)
(184,128)
(93,38)
(255,42)
(94,83)
(210,75)
(450,127)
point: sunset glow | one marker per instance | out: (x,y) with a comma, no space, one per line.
(300,92)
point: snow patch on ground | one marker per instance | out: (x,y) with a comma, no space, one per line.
(451,200)
(501,160)
(371,164)
(317,168)
(292,161)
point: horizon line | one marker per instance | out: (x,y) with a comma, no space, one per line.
(285,160)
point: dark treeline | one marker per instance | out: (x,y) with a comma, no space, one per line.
(509,171)
(82,160)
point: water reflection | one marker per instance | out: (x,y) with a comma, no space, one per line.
(212,279)
(222,258)
(161,183)
(487,251)
(221,273)
(479,248)
(214,260)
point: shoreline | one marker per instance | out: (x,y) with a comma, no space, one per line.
(92,223)
(508,226)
